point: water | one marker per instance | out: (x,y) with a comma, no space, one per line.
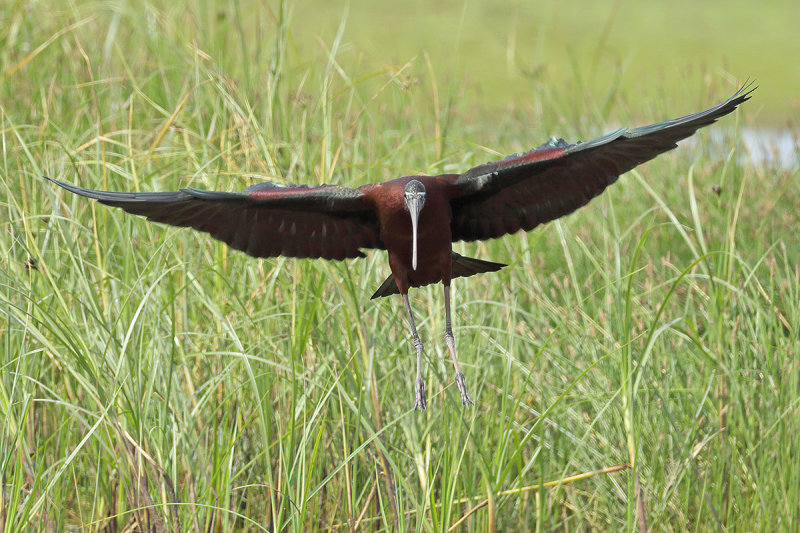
(762,147)
(771,148)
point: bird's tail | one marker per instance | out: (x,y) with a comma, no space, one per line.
(463,267)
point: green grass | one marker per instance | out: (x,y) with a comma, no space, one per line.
(151,376)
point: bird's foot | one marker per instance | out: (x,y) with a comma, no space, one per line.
(419,390)
(462,389)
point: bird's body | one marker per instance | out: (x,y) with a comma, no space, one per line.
(416,219)
(435,242)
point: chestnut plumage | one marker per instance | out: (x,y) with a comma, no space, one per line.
(417,218)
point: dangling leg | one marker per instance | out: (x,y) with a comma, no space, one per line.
(451,345)
(419,383)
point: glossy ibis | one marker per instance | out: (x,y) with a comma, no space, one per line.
(416,219)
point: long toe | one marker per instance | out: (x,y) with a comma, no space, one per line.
(419,389)
(462,389)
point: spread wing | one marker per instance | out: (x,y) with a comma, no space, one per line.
(264,220)
(523,191)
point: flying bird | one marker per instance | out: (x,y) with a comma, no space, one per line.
(416,219)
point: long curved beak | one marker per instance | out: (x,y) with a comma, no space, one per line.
(414,207)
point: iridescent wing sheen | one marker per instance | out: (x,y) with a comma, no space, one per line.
(523,191)
(264,220)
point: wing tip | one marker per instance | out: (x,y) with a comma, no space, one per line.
(75,189)
(746,89)
(742,94)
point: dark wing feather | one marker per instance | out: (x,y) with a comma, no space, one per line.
(523,191)
(265,220)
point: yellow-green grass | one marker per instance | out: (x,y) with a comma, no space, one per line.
(149,373)
(497,55)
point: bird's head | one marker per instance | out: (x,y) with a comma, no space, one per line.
(414,199)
